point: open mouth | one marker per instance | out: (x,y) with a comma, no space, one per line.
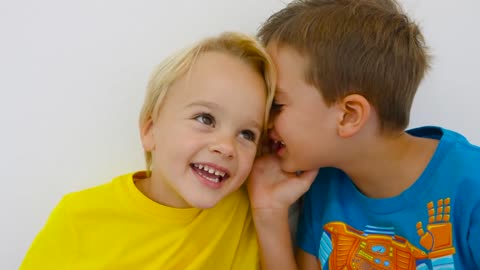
(277,146)
(209,173)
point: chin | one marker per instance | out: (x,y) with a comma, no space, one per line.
(291,166)
(288,165)
(203,204)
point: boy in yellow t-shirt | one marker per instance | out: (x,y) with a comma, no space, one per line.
(187,210)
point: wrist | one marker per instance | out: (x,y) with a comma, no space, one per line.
(270,215)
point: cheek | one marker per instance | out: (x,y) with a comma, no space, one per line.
(245,162)
(177,145)
(285,126)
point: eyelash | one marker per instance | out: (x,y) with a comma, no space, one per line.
(251,134)
(209,120)
(201,118)
(276,107)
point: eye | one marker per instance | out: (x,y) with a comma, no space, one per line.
(276,107)
(206,119)
(248,135)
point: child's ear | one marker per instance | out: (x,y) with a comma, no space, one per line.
(354,112)
(146,135)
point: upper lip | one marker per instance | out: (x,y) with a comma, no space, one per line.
(274,136)
(214,166)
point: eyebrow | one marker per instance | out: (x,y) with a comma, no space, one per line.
(205,104)
(256,125)
(213,105)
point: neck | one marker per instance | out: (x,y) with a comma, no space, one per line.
(390,165)
(159,191)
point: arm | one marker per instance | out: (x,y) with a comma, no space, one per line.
(271,192)
(273,234)
(307,261)
(274,238)
(53,246)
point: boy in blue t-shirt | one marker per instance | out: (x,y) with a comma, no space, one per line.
(384,198)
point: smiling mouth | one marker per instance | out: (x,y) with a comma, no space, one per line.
(209,173)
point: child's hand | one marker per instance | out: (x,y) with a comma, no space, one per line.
(271,188)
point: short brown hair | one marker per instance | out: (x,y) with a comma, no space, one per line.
(366,47)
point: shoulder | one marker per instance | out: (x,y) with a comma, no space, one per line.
(463,148)
(458,169)
(95,196)
(460,158)
(449,140)
(454,152)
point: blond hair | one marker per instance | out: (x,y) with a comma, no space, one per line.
(177,65)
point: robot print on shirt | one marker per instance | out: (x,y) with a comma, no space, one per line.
(344,247)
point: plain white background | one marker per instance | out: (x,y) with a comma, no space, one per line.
(73,75)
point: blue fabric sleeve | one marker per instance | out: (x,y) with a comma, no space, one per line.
(305,234)
(474,237)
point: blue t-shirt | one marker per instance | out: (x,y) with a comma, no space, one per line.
(433,224)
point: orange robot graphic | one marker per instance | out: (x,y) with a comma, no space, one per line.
(343,247)
(438,235)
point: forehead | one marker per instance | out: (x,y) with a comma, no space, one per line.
(220,73)
(220,78)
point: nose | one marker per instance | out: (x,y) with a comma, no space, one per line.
(223,145)
(272,134)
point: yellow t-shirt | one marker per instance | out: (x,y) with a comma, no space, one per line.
(114,226)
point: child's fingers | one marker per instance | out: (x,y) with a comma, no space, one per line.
(301,182)
(309,175)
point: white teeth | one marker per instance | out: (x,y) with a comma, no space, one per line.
(215,180)
(280,142)
(210,170)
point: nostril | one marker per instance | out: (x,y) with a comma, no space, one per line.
(223,150)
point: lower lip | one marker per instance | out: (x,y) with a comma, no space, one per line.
(281,151)
(207,182)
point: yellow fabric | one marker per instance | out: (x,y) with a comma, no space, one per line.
(114,226)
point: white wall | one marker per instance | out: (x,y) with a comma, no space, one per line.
(73,74)
(450,94)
